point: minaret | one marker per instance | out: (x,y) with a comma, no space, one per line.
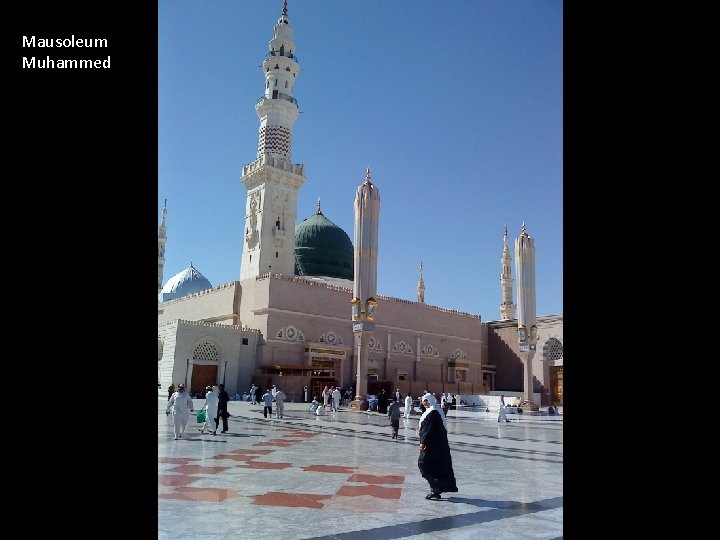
(162,239)
(364,303)
(272,180)
(421,287)
(527,326)
(507,308)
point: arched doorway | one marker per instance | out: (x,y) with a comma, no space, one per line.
(203,375)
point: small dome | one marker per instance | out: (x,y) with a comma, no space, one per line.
(322,248)
(184,283)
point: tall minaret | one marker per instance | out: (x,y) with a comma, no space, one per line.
(421,287)
(364,303)
(527,325)
(162,239)
(507,308)
(272,180)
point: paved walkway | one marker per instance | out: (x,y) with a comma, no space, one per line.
(343,477)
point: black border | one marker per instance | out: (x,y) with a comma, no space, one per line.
(79,224)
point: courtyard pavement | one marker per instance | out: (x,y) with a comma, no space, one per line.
(343,477)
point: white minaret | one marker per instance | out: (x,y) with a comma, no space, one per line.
(507,308)
(272,180)
(527,325)
(421,287)
(162,239)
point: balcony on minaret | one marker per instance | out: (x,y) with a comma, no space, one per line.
(282,52)
(271,161)
(276,95)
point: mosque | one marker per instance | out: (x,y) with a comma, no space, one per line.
(287,320)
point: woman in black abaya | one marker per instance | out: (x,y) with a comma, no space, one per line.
(435,462)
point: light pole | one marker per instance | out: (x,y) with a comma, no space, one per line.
(363,303)
(527,324)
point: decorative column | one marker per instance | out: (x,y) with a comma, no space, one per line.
(527,325)
(367,214)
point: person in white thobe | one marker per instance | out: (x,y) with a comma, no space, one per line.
(408,406)
(280,398)
(501,410)
(212,400)
(181,405)
(336,395)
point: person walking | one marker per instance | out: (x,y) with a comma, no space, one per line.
(382,401)
(446,402)
(267,399)
(181,405)
(171,391)
(398,395)
(394,416)
(325,396)
(212,400)
(313,405)
(420,403)
(253,401)
(336,395)
(501,410)
(435,461)
(223,399)
(280,398)
(408,406)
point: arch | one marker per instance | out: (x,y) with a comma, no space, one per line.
(206,351)
(402,347)
(552,350)
(290,333)
(374,344)
(331,337)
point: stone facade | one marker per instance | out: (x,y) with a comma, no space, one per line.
(415,346)
(508,361)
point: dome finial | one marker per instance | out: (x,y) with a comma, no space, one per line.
(318,208)
(367,176)
(284,7)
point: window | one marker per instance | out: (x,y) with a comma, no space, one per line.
(245,341)
(553,350)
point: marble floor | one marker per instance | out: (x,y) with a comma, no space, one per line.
(343,477)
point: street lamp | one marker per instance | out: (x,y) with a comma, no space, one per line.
(367,213)
(525,262)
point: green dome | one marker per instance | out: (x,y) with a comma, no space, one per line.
(322,248)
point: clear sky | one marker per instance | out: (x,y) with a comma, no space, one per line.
(455,106)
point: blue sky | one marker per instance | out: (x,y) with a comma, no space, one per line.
(456,107)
